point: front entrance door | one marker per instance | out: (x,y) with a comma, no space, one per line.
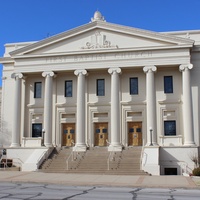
(135,133)
(101,134)
(68,134)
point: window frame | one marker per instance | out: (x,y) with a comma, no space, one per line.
(175,129)
(37,90)
(66,88)
(168,85)
(100,90)
(36,124)
(133,89)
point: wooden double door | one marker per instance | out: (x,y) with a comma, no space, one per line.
(68,134)
(135,133)
(101,134)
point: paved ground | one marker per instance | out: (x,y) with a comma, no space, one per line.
(33,191)
(100,180)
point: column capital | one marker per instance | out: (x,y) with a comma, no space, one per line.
(17,75)
(183,67)
(80,71)
(114,70)
(48,73)
(147,69)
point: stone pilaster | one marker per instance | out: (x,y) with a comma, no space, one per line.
(187,105)
(115,144)
(47,126)
(151,105)
(17,110)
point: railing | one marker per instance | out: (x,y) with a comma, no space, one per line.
(142,156)
(8,163)
(73,155)
(184,167)
(70,156)
(4,165)
(44,156)
(20,162)
(110,158)
(111,155)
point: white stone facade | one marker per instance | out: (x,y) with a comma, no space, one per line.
(113,53)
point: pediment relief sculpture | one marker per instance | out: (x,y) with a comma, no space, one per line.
(98,41)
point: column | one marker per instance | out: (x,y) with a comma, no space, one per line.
(115,144)
(16,110)
(187,105)
(80,113)
(47,126)
(151,105)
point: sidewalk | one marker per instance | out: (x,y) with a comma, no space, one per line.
(100,180)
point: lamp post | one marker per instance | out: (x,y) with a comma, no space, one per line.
(151,130)
(43,132)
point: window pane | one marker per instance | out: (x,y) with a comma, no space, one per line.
(133,85)
(72,131)
(97,130)
(38,90)
(68,88)
(100,87)
(138,130)
(105,130)
(168,84)
(131,130)
(37,130)
(170,127)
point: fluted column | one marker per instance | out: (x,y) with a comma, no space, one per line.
(16,110)
(115,110)
(151,105)
(80,113)
(187,105)
(47,126)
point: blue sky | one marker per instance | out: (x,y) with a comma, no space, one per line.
(32,20)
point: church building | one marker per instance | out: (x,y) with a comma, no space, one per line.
(104,85)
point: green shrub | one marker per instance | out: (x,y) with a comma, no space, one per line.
(196,171)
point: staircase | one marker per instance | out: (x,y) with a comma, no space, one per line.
(127,162)
(96,160)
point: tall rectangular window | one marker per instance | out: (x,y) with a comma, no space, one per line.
(170,127)
(168,84)
(68,88)
(100,87)
(38,90)
(133,86)
(37,130)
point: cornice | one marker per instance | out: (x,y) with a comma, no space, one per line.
(107,26)
(55,38)
(145,33)
(99,51)
(5,60)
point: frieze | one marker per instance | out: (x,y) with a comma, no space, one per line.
(99,57)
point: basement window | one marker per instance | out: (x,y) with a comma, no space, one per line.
(171,171)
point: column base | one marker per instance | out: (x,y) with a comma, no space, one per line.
(190,144)
(15,145)
(152,144)
(80,148)
(48,145)
(115,147)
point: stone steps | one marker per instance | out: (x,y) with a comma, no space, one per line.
(95,160)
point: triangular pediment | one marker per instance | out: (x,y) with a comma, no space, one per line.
(104,36)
